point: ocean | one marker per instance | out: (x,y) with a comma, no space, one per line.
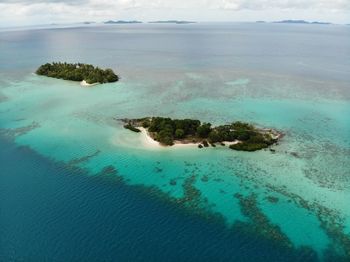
(76,186)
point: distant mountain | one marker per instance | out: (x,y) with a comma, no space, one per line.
(261,22)
(172,22)
(291,22)
(88,22)
(300,22)
(321,23)
(122,22)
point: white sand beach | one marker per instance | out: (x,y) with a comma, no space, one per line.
(228,143)
(84,83)
(145,141)
(148,142)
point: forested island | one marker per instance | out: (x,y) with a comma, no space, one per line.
(172,22)
(110,22)
(77,72)
(301,22)
(239,135)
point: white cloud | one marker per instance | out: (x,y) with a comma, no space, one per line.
(284,4)
(48,11)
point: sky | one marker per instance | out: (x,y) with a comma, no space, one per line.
(34,12)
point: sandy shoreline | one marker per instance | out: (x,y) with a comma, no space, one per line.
(148,142)
(84,83)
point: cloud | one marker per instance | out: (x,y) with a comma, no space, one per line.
(30,2)
(220,4)
(48,11)
(284,4)
(231,4)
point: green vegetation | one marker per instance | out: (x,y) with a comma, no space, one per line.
(166,130)
(251,139)
(132,128)
(77,72)
(247,146)
(204,130)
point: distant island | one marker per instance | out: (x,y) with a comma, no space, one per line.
(85,73)
(301,22)
(238,135)
(122,22)
(172,22)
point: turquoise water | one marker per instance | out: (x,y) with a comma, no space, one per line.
(270,75)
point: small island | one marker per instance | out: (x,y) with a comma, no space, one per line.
(301,22)
(111,22)
(84,73)
(172,22)
(238,135)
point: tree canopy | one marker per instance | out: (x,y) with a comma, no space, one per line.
(166,130)
(77,72)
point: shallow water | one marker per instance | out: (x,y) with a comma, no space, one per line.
(293,202)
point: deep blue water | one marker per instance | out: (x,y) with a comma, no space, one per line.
(52,213)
